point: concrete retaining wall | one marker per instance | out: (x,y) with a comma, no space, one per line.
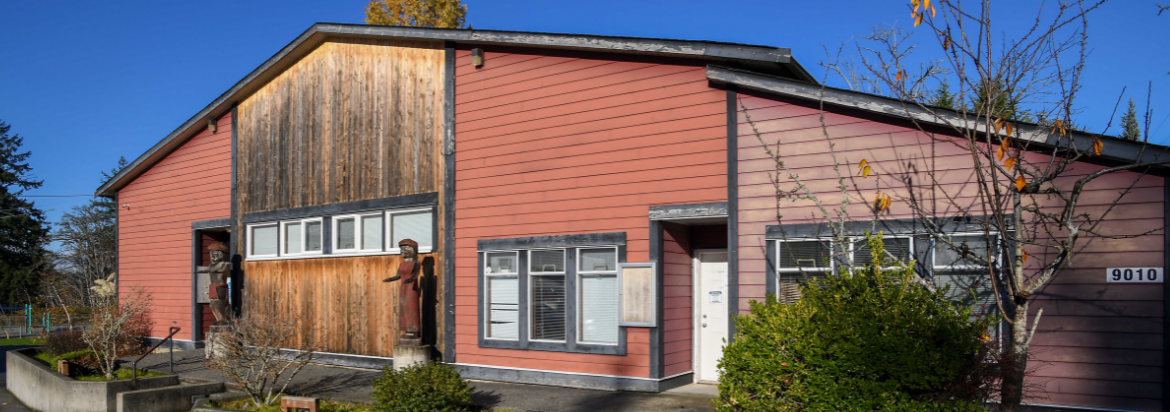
(44,389)
(166,399)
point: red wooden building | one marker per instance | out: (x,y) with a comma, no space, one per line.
(549,179)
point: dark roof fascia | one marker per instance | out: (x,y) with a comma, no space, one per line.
(317,34)
(1118,150)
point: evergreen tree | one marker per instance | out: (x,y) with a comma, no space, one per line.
(1001,102)
(23,230)
(1129,124)
(87,235)
(943,97)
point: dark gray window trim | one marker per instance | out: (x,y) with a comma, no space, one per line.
(212,223)
(570,243)
(395,202)
(658,333)
(552,242)
(326,213)
(889,227)
(688,211)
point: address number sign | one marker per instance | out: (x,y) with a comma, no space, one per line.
(1134,275)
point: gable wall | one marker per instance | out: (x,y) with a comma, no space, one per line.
(554,143)
(191,184)
(1102,341)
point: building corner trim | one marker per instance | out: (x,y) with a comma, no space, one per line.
(732,210)
(449,203)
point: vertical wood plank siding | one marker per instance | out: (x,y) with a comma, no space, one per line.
(341,303)
(355,119)
(1102,342)
(677,291)
(192,183)
(554,142)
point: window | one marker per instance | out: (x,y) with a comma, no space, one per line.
(359,228)
(345,234)
(962,264)
(414,225)
(262,240)
(547,277)
(380,232)
(899,249)
(597,277)
(300,237)
(501,271)
(800,261)
(554,293)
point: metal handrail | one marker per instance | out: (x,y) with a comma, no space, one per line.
(134,366)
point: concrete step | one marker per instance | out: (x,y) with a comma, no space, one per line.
(166,399)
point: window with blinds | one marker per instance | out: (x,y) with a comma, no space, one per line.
(798,262)
(547,278)
(962,265)
(503,296)
(262,240)
(898,249)
(597,279)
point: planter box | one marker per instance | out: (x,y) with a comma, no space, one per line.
(44,389)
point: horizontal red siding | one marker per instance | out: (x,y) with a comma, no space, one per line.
(192,183)
(1101,343)
(553,144)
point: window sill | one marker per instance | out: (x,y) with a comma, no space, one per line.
(618,349)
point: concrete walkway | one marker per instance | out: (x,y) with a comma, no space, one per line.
(9,403)
(356,385)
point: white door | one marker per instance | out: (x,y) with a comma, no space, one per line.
(711,317)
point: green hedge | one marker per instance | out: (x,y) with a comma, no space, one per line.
(422,388)
(864,341)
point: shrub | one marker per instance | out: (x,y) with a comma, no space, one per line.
(418,388)
(251,355)
(65,341)
(863,341)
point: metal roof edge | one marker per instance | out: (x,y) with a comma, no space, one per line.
(317,33)
(1118,149)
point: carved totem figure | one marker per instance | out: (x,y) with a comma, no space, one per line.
(409,314)
(217,278)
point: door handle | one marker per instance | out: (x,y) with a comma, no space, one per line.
(704,324)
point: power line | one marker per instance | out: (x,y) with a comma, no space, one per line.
(56,195)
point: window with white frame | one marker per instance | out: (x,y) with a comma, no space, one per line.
(363,233)
(546,280)
(381,231)
(263,240)
(962,263)
(300,237)
(598,289)
(799,261)
(502,280)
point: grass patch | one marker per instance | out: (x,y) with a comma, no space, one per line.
(47,358)
(120,374)
(30,341)
(326,406)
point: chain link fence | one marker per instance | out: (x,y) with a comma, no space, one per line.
(20,322)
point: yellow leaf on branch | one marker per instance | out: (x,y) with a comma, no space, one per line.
(1024,257)
(1020,183)
(1009,163)
(865,171)
(1097,145)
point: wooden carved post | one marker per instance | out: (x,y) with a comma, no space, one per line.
(410,349)
(218,273)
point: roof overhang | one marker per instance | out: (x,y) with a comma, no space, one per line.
(761,58)
(1117,149)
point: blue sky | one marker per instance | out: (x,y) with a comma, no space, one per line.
(87,82)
